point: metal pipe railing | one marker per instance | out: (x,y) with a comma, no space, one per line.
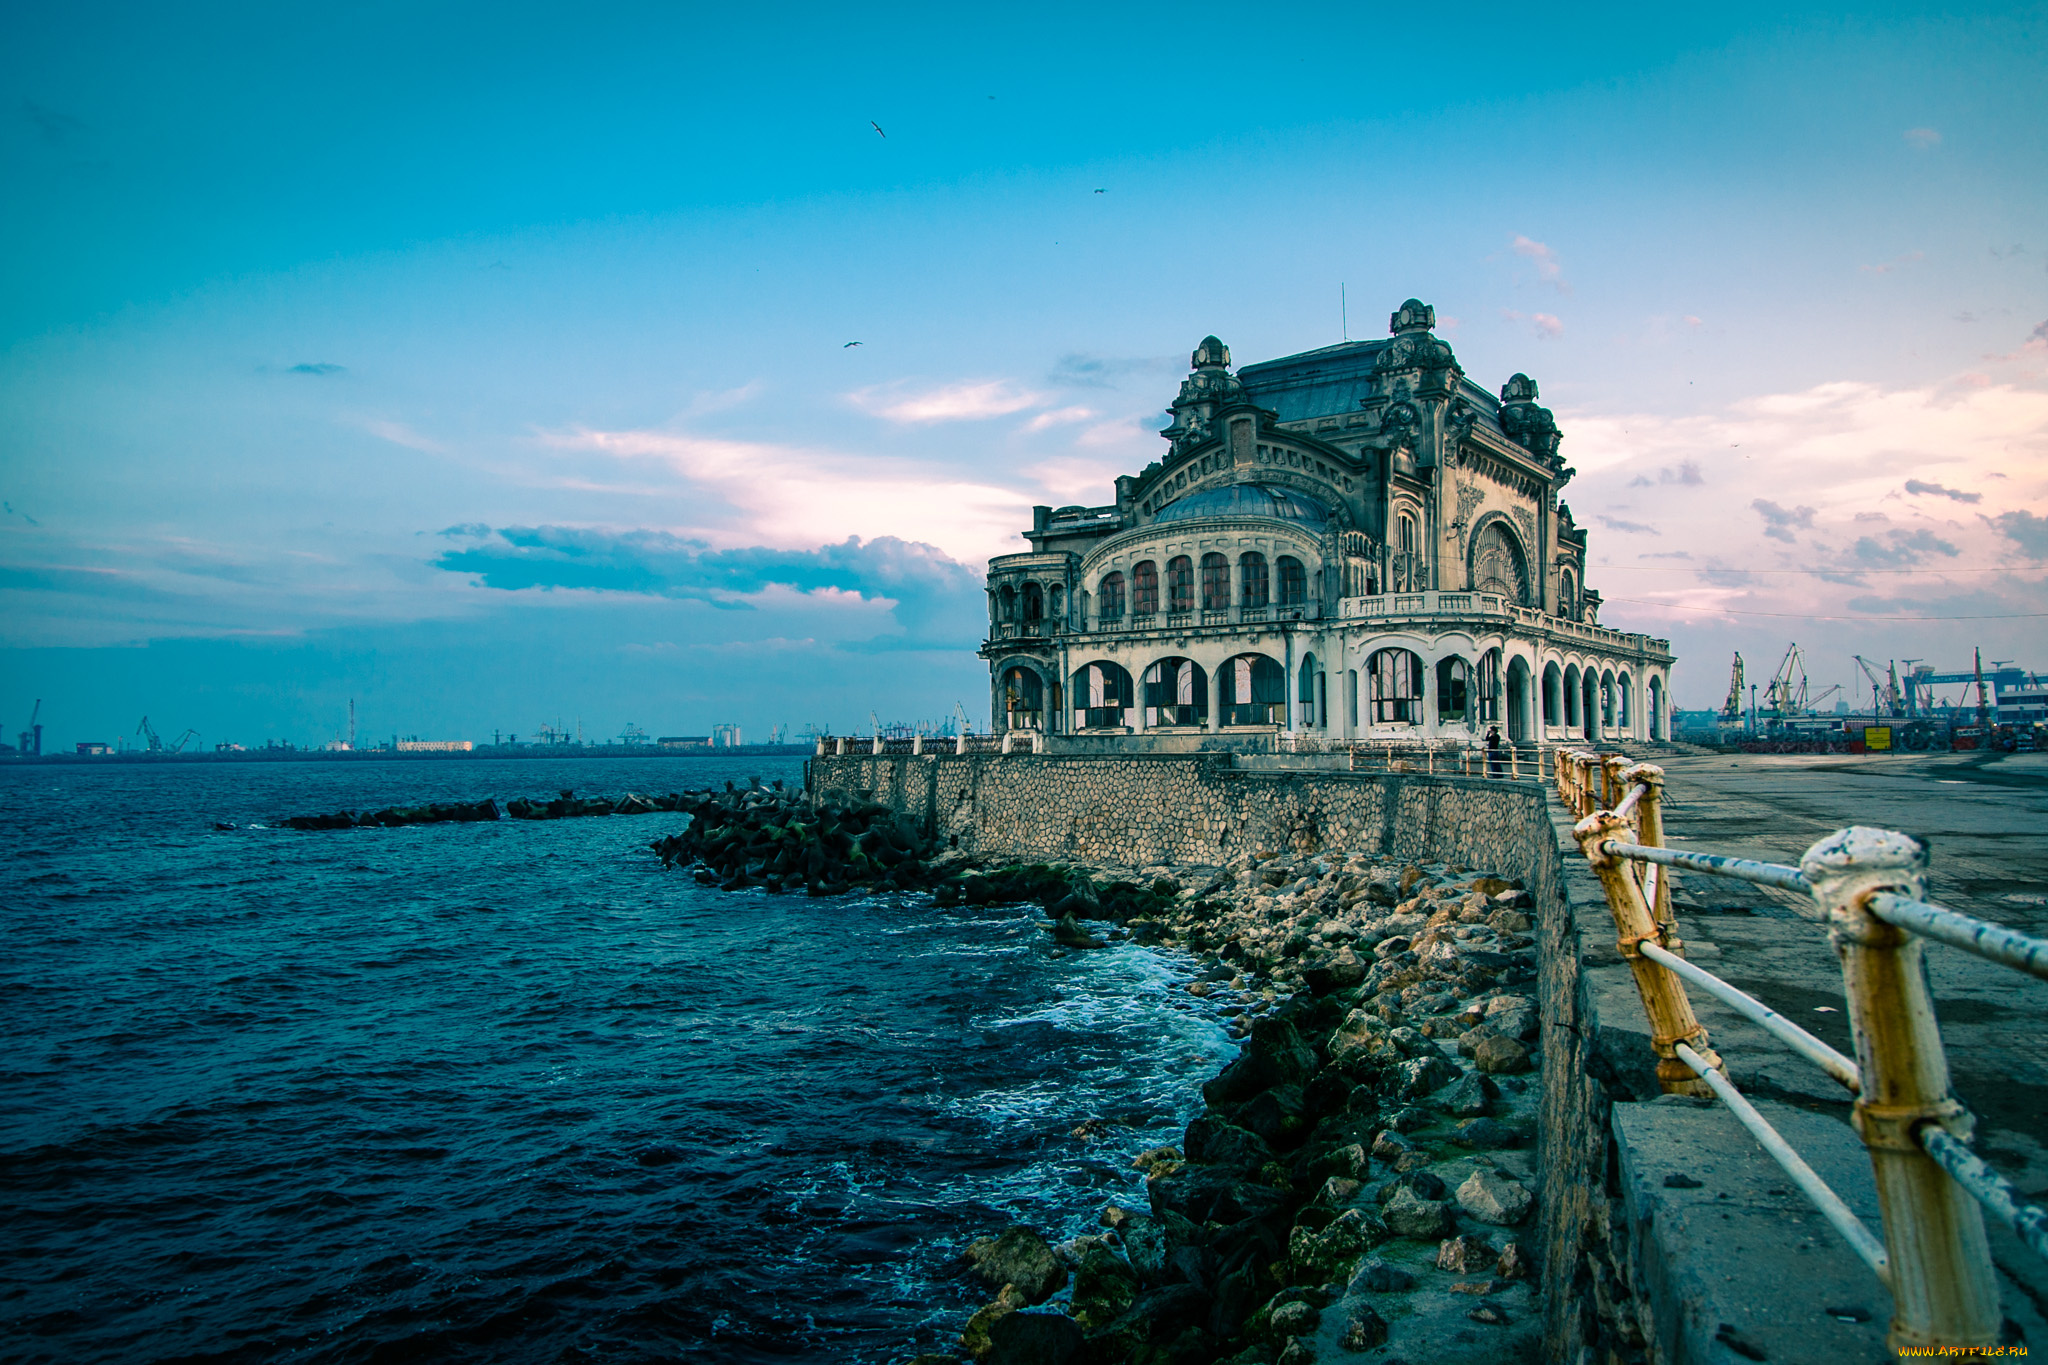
(1818,1192)
(1843,1069)
(1868,884)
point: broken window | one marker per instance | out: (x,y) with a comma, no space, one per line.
(1112,598)
(1180,584)
(1254,691)
(1253,581)
(1453,688)
(1023,698)
(1293,581)
(1396,686)
(1489,687)
(1176,693)
(1102,697)
(1034,602)
(1215,583)
(1145,589)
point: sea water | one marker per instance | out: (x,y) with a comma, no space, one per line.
(514,1092)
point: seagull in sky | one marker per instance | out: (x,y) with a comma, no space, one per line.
(851,343)
(877,127)
(1102,191)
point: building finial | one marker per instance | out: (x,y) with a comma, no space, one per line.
(1414,316)
(1211,355)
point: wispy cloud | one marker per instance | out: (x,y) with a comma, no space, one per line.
(2023,529)
(1686,472)
(1781,522)
(1922,486)
(1922,138)
(317,367)
(1899,548)
(1634,527)
(1895,263)
(1548,267)
(1059,417)
(968,401)
(1543,325)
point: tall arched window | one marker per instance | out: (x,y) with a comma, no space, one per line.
(1498,564)
(1056,601)
(1396,686)
(1623,713)
(1102,697)
(1254,691)
(1007,602)
(1305,690)
(1023,699)
(1215,582)
(1553,695)
(1111,600)
(1293,581)
(1253,581)
(1034,602)
(1489,687)
(1573,695)
(1568,595)
(1180,584)
(1453,689)
(1176,692)
(1145,589)
(1656,708)
(1407,556)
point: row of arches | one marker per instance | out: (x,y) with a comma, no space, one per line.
(1256,583)
(1394,687)
(1030,601)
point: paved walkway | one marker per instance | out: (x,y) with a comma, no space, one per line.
(1985,818)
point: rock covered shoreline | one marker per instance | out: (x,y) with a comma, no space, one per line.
(1353,1185)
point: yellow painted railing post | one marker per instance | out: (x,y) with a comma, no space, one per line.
(1943,1291)
(1650,834)
(1664,999)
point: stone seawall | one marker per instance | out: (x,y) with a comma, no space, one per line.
(1664,1233)
(1141,810)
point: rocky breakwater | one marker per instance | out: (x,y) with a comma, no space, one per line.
(772,839)
(566,806)
(1355,1181)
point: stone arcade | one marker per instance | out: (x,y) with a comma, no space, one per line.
(1357,542)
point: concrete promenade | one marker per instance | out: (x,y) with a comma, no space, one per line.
(1986,820)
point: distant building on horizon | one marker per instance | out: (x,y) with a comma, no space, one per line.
(435,746)
(684,742)
(1357,542)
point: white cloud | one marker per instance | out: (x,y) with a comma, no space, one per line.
(1922,138)
(1548,268)
(793,497)
(1059,417)
(968,401)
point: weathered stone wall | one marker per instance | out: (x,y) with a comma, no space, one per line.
(1192,808)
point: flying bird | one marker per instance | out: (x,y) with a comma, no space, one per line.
(851,343)
(1102,191)
(877,127)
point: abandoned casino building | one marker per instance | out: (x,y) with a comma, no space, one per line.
(1353,543)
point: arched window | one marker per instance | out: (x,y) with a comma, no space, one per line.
(1606,701)
(1023,699)
(1180,584)
(1254,691)
(1034,602)
(1253,581)
(1623,713)
(1489,687)
(1176,693)
(1407,556)
(1589,703)
(1007,602)
(1573,695)
(1568,595)
(1517,707)
(1656,708)
(1102,697)
(1396,686)
(1453,689)
(1145,589)
(1056,599)
(1498,564)
(1293,581)
(1215,582)
(1112,597)
(1307,713)
(1553,695)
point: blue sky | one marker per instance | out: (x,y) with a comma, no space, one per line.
(488,364)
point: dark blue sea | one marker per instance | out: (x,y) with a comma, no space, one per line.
(512,1092)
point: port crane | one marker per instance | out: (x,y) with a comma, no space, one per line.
(1783,698)
(1731,710)
(1884,692)
(156,744)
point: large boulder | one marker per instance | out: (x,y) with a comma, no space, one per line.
(1276,1055)
(1018,1257)
(1326,972)
(1409,1215)
(1321,1255)
(1104,1286)
(1492,1198)
(1033,1339)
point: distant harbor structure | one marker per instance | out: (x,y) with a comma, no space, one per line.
(1356,542)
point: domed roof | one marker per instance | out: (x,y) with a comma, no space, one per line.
(1211,355)
(1246,500)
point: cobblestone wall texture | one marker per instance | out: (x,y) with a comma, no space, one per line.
(1192,808)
